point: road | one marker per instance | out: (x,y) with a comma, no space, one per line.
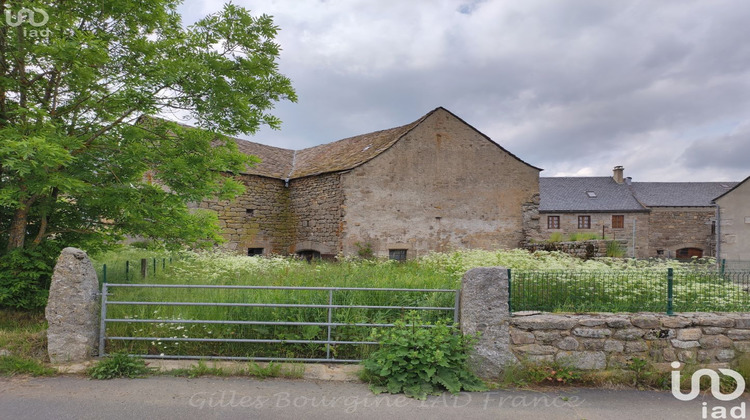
(160,397)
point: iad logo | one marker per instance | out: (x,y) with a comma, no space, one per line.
(716,412)
(26,15)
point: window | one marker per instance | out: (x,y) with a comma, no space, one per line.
(689,253)
(553,222)
(584,222)
(254,251)
(250,212)
(397,254)
(618,222)
(591,194)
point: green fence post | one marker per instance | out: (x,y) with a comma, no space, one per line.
(127,270)
(510,307)
(163,264)
(723,266)
(154,266)
(104,273)
(670,287)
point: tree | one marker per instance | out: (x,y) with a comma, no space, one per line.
(81,162)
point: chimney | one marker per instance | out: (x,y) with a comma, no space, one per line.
(617,174)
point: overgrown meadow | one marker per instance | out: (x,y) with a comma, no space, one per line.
(549,281)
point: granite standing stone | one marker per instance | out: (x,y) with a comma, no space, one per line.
(484,309)
(72,309)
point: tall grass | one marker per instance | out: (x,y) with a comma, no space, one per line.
(168,332)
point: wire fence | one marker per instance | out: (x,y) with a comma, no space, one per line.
(140,269)
(647,290)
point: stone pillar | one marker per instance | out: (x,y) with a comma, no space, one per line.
(72,309)
(484,309)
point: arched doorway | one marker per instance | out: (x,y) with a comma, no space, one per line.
(309,254)
(689,253)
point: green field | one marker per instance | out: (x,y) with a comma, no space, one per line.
(563,284)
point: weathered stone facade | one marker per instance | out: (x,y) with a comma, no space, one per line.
(433,185)
(442,186)
(671,229)
(733,227)
(602,222)
(317,206)
(600,341)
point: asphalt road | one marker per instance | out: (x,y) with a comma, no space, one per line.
(75,397)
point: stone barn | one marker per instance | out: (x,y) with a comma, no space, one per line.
(433,185)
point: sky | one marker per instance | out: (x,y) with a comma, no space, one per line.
(575,87)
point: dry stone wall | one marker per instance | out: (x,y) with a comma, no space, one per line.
(317,208)
(581,249)
(599,341)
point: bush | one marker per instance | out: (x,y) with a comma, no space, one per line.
(419,361)
(119,365)
(25,276)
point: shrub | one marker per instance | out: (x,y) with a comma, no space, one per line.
(419,361)
(25,276)
(119,365)
(555,237)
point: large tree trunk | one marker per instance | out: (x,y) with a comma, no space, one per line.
(18,228)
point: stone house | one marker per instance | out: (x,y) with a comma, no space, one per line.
(432,185)
(658,219)
(733,223)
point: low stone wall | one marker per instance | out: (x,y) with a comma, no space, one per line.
(599,341)
(581,249)
(590,341)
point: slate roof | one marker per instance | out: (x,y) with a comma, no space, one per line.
(731,189)
(338,156)
(679,194)
(569,194)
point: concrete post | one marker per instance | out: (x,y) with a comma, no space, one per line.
(72,309)
(484,309)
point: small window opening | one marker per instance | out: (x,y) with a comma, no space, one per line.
(250,212)
(397,254)
(254,251)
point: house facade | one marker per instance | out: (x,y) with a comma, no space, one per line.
(433,185)
(658,219)
(733,227)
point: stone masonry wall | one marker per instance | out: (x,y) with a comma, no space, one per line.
(599,341)
(581,249)
(317,208)
(259,218)
(685,227)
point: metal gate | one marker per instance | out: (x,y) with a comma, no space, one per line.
(329,311)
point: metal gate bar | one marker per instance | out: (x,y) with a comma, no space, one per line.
(330,307)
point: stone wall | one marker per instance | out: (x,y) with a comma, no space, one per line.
(684,227)
(442,186)
(599,341)
(581,249)
(259,218)
(317,208)
(734,223)
(590,341)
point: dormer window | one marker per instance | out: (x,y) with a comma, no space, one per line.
(591,194)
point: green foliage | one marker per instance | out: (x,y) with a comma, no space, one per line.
(81,161)
(119,365)
(25,275)
(615,250)
(555,237)
(548,372)
(364,250)
(14,365)
(644,375)
(583,236)
(419,361)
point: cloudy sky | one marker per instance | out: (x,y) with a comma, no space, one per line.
(572,86)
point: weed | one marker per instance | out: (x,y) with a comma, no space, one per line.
(14,365)
(420,361)
(119,365)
